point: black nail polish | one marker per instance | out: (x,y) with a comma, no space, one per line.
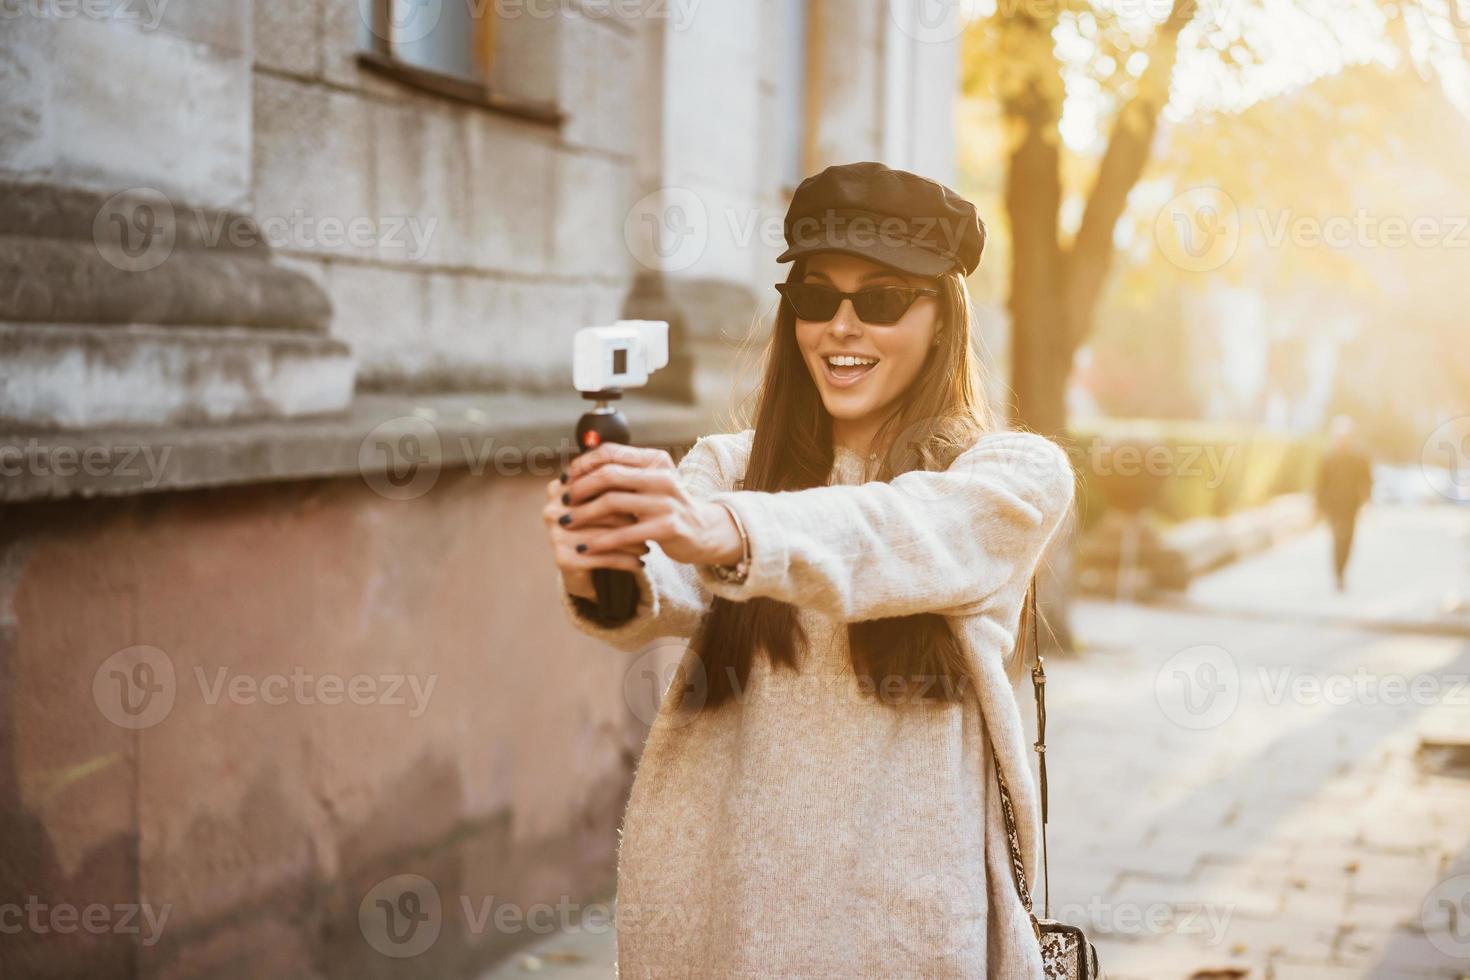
(581,549)
(640,561)
(563,476)
(564,520)
(566,498)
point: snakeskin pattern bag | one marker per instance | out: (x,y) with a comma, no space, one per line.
(1065,951)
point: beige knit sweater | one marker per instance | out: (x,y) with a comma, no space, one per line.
(804,829)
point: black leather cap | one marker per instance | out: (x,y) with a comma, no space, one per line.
(895,218)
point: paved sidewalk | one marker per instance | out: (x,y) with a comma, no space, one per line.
(1410,569)
(1232,792)
(1239,788)
(569,955)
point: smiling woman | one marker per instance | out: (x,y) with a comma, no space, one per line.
(867,352)
(820,792)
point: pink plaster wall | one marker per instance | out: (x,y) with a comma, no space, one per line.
(264,826)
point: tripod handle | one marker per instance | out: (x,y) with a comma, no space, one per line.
(617,590)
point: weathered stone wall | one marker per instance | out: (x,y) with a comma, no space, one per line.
(263,826)
(93,97)
(265,829)
(510,231)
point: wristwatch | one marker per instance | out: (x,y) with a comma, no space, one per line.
(737,573)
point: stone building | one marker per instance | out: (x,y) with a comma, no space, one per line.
(286,296)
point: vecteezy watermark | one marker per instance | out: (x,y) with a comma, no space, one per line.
(403,236)
(1363,687)
(1208,463)
(1445,916)
(402,21)
(662,665)
(932,21)
(1208,921)
(1200,230)
(402,916)
(36,458)
(401,459)
(1201,686)
(1363,229)
(137,688)
(1445,459)
(668,229)
(1198,687)
(992,461)
(42,918)
(138,230)
(665,667)
(679,14)
(301,687)
(147,14)
(936,913)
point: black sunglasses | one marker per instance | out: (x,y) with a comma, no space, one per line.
(882,305)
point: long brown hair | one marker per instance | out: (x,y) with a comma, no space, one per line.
(938,417)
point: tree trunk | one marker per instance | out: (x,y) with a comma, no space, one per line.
(1055,290)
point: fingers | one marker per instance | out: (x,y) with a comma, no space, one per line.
(603,541)
(570,545)
(572,550)
(554,507)
(635,457)
(554,510)
(619,476)
(616,508)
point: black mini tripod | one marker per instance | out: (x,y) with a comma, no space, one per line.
(617,590)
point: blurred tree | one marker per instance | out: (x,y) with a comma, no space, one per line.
(1080,89)
(1054,287)
(1112,65)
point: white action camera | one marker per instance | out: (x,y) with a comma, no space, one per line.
(620,356)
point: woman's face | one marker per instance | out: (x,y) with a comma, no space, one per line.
(889,357)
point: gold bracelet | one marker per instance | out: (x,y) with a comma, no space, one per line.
(737,573)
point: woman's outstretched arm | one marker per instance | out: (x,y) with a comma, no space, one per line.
(941,541)
(671,597)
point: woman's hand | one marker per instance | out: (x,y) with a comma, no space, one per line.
(614,482)
(568,545)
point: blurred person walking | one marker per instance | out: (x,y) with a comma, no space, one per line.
(1344,485)
(818,792)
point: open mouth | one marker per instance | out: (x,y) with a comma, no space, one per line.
(848,369)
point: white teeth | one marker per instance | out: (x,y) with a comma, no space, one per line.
(849,360)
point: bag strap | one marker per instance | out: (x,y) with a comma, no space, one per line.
(1038,686)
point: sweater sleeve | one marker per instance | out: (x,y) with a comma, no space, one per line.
(671,597)
(927,541)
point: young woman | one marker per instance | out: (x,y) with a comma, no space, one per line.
(817,796)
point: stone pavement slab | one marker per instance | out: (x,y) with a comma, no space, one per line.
(1410,567)
(573,954)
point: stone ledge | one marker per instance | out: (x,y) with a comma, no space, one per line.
(397,444)
(87,377)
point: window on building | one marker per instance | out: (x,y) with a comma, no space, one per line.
(449,47)
(442,37)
